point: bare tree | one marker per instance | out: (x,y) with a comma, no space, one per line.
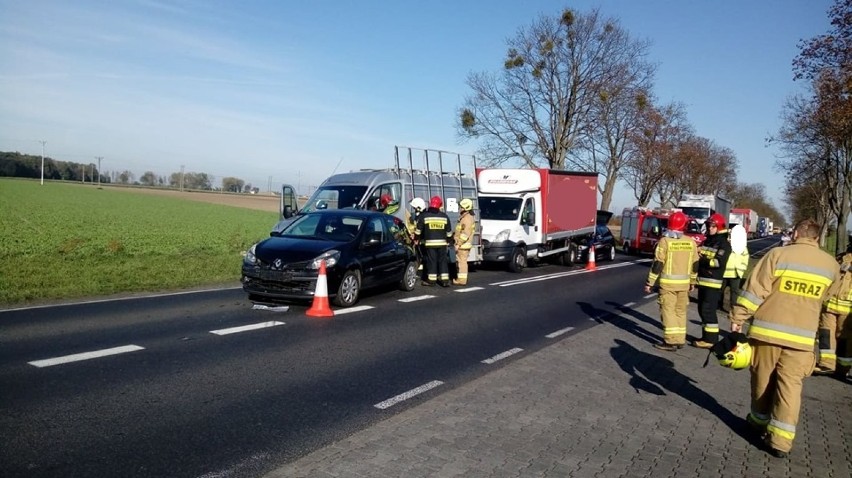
(558,73)
(655,142)
(699,166)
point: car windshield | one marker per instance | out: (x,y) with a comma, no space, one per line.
(335,197)
(697,212)
(500,209)
(327,227)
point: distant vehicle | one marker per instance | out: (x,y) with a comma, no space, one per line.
(747,218)
(764,226)
(361,249)
(701,206)
(602,240)
(535,214)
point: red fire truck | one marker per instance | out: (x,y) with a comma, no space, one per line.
(642,228)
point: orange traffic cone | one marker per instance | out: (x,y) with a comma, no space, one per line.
(320,307)
(590,266)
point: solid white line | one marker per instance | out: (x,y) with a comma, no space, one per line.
(85,356)
(556,276)
(502,355)
(244,328)
(469,289)
(405,396)
(559,332)
(419,297)
(353,309)
(629,304)
(272,308)
(649,296)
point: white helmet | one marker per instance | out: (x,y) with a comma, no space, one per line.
(418,204)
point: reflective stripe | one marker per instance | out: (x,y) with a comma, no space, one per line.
(758,418)
(783,332)
(800,271)
(838,306)
(784,430)
(827,354)
(711,283)
(749,300)
(674,330)
(711,327)
(845,361)
(435,243)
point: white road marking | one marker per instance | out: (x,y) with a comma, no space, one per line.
(405,396)
(469,289)
(244,328)
(349,310)
(85,356)
(119,299)
(649,296)
(272,308)
(561,274)
(502,355)
(629,304)
(559,332)
(419,297)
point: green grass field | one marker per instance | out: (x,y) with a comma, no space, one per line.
(62,241)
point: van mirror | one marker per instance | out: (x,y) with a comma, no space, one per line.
(288,211)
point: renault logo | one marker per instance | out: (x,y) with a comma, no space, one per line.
(277,264)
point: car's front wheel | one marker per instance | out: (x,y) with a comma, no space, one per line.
(612,253)
(409,279)
(349,289)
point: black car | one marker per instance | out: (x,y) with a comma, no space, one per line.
(361,249)
(602,240)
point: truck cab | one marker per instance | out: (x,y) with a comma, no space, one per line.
(642,228)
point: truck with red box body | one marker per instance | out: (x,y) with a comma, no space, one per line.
(535,214)
(747,218)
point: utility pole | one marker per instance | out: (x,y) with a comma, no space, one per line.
(99,158)
(42,161)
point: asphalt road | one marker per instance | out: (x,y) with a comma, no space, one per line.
(187,393)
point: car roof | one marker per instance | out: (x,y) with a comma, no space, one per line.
(346,212)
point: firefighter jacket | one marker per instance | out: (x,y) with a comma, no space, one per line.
(784,294)
(411,222)
(675,263)
(713,258)
(463,236)
(839,302)
(433,228)
(737,265)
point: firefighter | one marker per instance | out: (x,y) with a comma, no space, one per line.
(834,347)
(675,266)
(387,205)
(463,239)
(736,267)
(713,258)
(782,300)
(418,205)
(433,231)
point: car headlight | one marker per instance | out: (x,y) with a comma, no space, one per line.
(250,258)
(330,257)
(502,235)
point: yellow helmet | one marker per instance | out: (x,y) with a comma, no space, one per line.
(466,204)
(734,351)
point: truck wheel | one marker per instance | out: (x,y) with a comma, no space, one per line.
(626,249)
(519,260)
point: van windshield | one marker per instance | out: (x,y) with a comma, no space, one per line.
(335,197)
(699,213)
(499,209)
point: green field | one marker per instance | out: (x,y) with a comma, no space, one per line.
(63,241)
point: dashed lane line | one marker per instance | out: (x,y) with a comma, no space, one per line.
(353,309)
(502,355)
(470,289)
(559,332)
(629,304)
(85,356)
(245,328)
(649,296)
(405,396)
(415,299)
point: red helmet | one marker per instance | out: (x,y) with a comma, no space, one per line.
(677,221)
(385,200)
(436,202)
(717,220)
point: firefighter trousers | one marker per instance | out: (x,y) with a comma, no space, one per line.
(673,306)
(827,339)
(461,261)
(437,264)
(708,302)
(776,390)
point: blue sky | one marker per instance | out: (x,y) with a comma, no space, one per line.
(293,90)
